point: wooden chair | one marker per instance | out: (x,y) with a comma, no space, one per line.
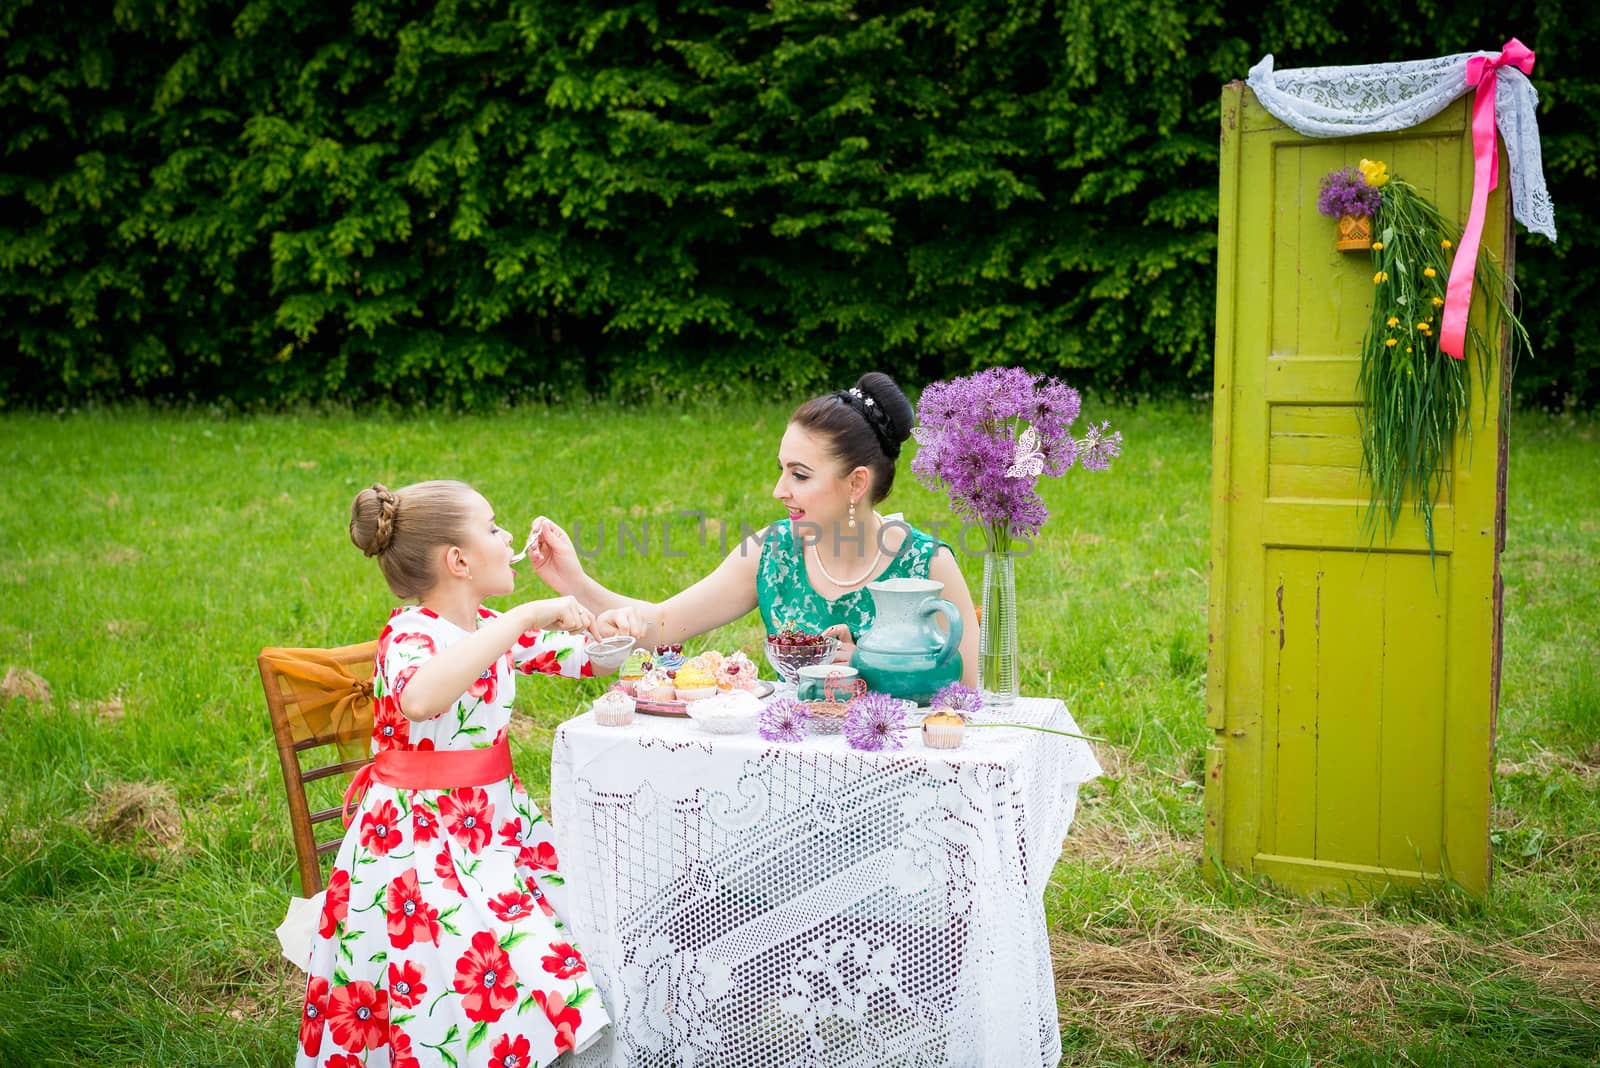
(318,698)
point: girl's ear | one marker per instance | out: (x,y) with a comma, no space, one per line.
(455,562)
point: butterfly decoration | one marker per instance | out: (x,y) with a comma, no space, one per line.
(1029,459)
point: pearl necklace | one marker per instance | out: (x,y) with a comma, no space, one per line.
(816,555)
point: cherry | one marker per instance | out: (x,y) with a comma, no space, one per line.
(793,637)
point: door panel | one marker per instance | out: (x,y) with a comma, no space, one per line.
(1351,681)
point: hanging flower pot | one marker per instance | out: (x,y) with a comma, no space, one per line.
(1351,195)
(1355,233)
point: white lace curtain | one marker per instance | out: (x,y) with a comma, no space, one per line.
(1384,97)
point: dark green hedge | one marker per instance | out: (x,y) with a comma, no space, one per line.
(462,201)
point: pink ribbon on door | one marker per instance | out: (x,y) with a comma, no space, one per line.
(1481,76)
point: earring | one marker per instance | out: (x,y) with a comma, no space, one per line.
(852,513)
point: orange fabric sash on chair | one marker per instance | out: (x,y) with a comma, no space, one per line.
(429,769)
(328,700)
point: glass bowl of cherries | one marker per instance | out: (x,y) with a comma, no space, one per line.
(791,649)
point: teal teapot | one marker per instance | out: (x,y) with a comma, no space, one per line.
(903,654)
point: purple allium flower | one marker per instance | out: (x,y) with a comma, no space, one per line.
(785,720)
(1059,455)
(874,721)
(1346,192)
(958,698)
(987,438)
(1054,408)
(1098,447)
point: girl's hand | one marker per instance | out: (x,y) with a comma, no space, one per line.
(614,621)
(559,613)
(847,643)
(553,556)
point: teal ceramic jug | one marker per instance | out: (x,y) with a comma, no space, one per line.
(903,653)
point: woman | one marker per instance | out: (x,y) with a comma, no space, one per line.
(836,463)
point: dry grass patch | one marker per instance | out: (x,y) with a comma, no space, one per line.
(20,683)
(1113,846)
(111,710)
(245,1008)
(107,711)
(1104,836)
(1585,765)
(143,814)
(20,843)
(249,987)
(1303,969)
(1115,761)
(279,989)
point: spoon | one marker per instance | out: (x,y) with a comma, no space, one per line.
(523,555)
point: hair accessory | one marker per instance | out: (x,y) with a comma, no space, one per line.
(877,419)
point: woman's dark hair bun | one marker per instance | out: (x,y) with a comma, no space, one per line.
(891,400)
(864,426)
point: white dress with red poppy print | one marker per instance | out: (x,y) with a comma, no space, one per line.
(440,940)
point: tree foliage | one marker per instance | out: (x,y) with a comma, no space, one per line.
(462,201)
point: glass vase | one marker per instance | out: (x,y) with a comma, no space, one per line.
(997,633)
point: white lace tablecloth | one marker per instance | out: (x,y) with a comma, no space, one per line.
(747,903)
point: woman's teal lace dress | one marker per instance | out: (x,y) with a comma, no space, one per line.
(787,599)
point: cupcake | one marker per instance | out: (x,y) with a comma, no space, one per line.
(737,673)
(613,709)
(713,660)
(655,685)
(695,680)
(669,657)
(633,670)
(942,729)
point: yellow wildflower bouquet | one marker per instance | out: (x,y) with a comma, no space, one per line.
(1415,396)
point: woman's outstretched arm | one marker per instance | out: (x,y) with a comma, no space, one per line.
(719,598)
(723,596)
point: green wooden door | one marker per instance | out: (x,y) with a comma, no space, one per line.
(1352,692)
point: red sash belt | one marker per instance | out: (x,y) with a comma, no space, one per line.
(429,769)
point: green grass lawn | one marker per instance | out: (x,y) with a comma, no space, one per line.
(144,852)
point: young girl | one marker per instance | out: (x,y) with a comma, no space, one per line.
(440,939)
